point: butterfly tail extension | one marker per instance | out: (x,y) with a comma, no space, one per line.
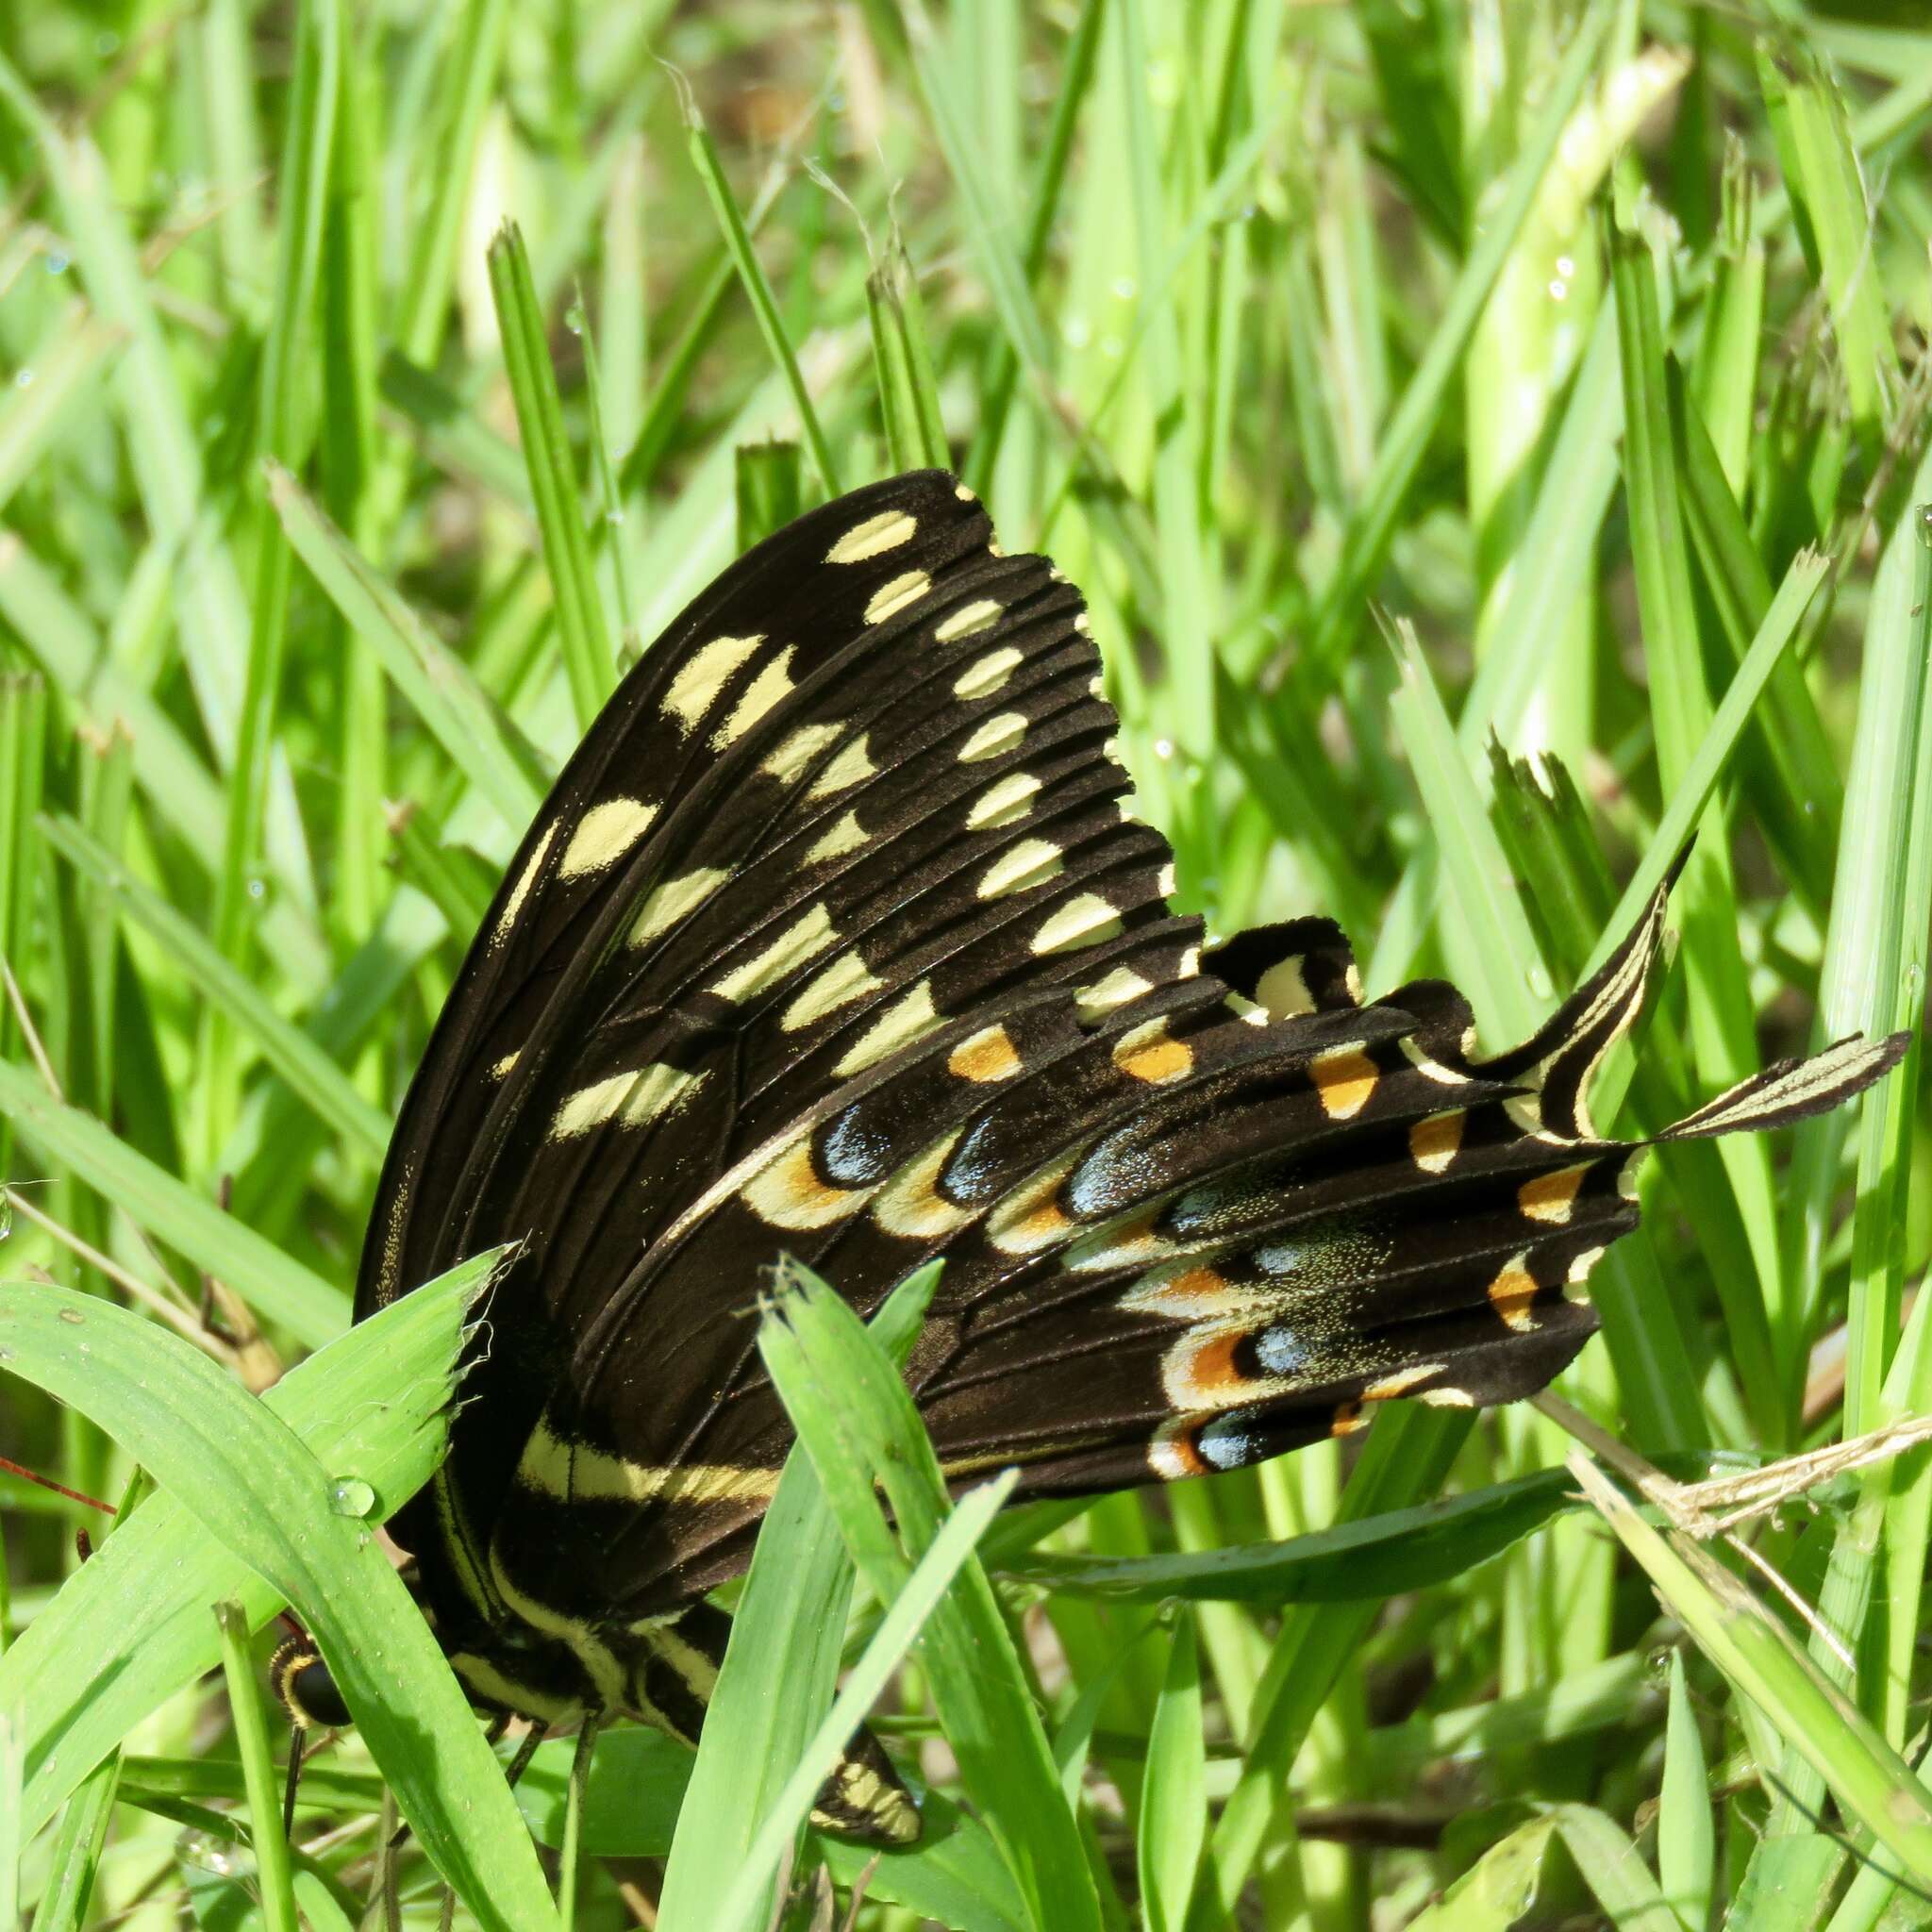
(1793,1090)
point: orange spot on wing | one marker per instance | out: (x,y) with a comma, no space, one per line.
(1345,1078)
(1549,1196)
(1436,1142)
(1148,1053)
(1511,1293)
(988,1056)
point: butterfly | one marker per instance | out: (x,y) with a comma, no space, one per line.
(837,936)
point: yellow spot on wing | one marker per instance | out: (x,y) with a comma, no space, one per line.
(986,1056)
(1436,1142)
(504,1067)
(1083,921)
(1284,991)
(998,734)
(901,1024)
(604,835)
(798,751)
(964,623)
(895,593)
(873,537)
(703,675)
(676,899)
(787,1193)
(986,675)
(1022,867)
(848,835)
(1171,1455)
(1031,1217)
(1003,801)
(805,941)
(1345,1078)
(521,891)
(636,1098)
(852,765)
(767,688)
(846,980)
(1550,1196)
(1403,1379)
(1149,1054)
(554,1467)
(910,1203)
(1115,990)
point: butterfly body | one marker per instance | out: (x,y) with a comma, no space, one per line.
(835,938)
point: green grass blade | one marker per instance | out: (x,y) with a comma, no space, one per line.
(250,1481)
(481,740)
(1174,1801)
(588,660)
(75,1862)
(1753,1649)
(280,1288)
(757,289)
(781,1672)
(309,1071)
(857,1422)
(131,1627)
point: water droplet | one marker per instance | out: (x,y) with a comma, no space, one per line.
(257,888)
(56,264)
(1922,516)
(6,1216)
(107,44)
(1125,287)
(1163,747)
(1560,290)
(23,378)
(573,318)
(1565,266)
(73,1317)
(349,1495)
(613,516)
(206,1852)
(1539,983)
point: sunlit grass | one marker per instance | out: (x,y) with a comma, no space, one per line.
(1392,379)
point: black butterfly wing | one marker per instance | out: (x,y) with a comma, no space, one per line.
(834,938)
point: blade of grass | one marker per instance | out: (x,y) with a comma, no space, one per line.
(751,274)
(1174,1803)
(250,1481)
(279,1288)
(75,1862)
(483,743)
(130,1628)
(1756,1654)
(1399,454)
(1722,1030)
(309,1071)
(857,1422)
(588,661)
(272,1871)
(778,1676)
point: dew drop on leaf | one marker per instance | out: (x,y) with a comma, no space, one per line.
(349,1495)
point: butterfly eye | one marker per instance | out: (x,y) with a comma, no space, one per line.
(306,1689)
